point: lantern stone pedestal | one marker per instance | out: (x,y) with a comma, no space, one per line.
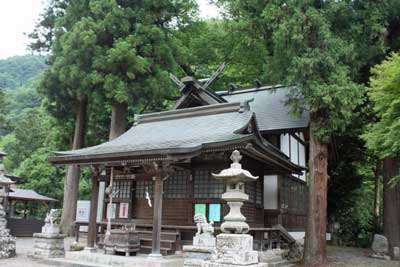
(48,245)
(234,246)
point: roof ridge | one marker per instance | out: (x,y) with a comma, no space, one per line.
(244,90)
(188,112)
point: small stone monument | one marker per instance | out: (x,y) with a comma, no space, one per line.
(396,253)
(234,246)
(203,243)
(49,243)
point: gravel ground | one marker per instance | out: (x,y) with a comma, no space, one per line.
(355,257)
(337,257)
(24,247)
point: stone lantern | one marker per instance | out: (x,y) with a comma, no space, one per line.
(7,242)
(234,178)
(234,246)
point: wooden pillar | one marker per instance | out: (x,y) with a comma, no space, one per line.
(92,231)
(157,213)
(25,209)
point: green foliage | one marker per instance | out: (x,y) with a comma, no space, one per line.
(2,110)
(356,220)
(207,44)
(303,50)
(17,71)
(29,134)
(41,176)
(383,136)
(120,50)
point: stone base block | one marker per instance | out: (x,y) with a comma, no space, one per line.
(48,245)
(236,249)
(194,255)
(204,240)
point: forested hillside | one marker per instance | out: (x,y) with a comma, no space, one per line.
(17,71)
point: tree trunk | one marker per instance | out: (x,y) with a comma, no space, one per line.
(377,173)
(92,231)
(315,242)
(391,203)
(71,182)
(118,119)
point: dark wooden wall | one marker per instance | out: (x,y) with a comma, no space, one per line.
(179,209)
(24,227)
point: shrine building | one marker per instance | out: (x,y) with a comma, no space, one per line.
(161,167)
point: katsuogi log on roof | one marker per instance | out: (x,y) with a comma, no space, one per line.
(182,134)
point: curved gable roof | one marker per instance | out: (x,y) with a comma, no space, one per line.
(177,131)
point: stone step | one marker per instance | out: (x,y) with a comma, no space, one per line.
(71,263)
(273,259)
(282,263)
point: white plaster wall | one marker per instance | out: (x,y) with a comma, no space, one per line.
(294,145)
(285,144)
(297,150)
(270,192)
(302,156)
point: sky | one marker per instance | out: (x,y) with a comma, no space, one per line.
(18,17)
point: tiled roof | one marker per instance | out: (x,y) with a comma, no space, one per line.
(175,131)
(269,105)
(27,194)
(183,133)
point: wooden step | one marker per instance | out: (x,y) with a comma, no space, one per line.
(151,232)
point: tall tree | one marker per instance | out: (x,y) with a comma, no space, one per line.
(135,52)
(119,51)
(70,69)
(382,138)
(303,50)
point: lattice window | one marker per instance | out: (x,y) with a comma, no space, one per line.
(293,195)
(205,186)
(284,194)
(176,186)
(123,188)
(250,189)
(142,187)
(259,192)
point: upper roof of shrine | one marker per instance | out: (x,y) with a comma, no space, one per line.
(269,103)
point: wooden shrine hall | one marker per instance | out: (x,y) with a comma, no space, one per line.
(160,169)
